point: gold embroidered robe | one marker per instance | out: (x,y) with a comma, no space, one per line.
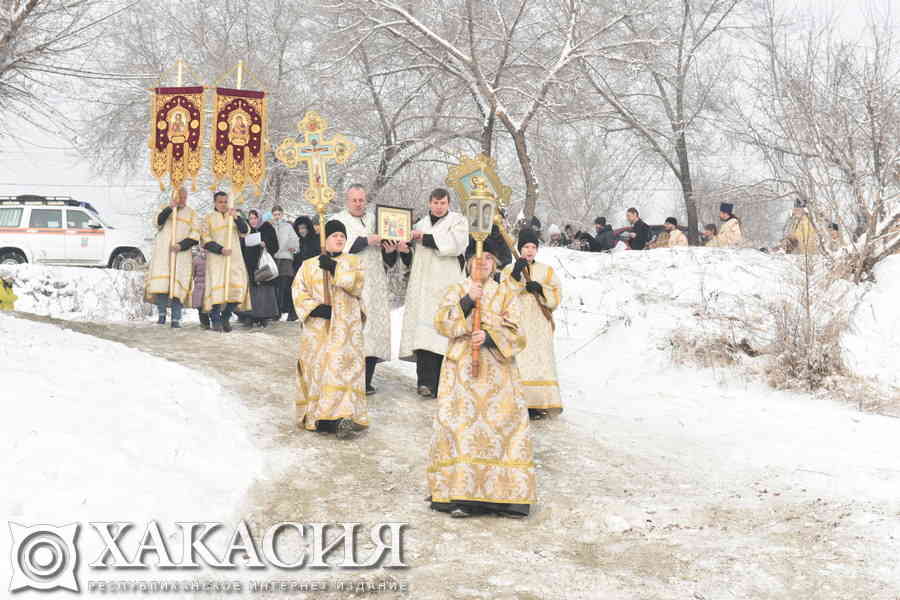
(215,229)
(158,275)
(481,445)
(537,362)
(331,371)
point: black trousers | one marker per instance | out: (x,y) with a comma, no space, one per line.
(283,294)
(428,369)
(371,361)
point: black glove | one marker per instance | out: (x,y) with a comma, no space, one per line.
(520,265)
(326,263)
(534,287)
(214,247)
(187,244)
(497,276)
(466,304)
(323,311)
(428,241)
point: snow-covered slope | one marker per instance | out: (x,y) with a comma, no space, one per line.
(78,293)
(872,344)
(96,431)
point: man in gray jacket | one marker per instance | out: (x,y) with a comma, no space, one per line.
(288,243)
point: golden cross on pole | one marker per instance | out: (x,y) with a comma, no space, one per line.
(316,151)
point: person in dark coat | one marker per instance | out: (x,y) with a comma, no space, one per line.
(262,295)
(604,239)
(640,233)
(309,240)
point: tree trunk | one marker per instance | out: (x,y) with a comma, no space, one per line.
(487,134)
(531,183)
(687,189)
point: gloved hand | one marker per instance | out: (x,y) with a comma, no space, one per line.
(534,287)
(520,265)
(323,311)
(326,263)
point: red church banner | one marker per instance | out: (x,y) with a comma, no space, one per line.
(240,138)
(176,134)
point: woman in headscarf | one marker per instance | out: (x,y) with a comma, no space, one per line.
(309,240)
(262,295)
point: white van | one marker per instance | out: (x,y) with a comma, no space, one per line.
(57,230)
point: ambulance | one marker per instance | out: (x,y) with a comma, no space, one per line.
(58,230)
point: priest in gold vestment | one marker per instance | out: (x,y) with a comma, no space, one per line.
(481,454)
(219,303)
(331,394)
(173,251)
(539,294)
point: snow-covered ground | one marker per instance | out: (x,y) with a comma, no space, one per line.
(96,431)
(658,480)
(872,344)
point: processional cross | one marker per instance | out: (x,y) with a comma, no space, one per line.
(316,151)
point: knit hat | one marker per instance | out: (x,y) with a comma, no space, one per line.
(833,226)
(726,207)
(491,245)
(334,226)
(553,229)
(527,236)
(673,221)
(600,221)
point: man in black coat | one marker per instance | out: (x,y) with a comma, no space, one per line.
(604,239)
(640,233)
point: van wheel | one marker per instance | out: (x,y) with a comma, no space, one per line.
(12,257)
(128,260)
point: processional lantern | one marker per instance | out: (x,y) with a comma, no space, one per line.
(479,189)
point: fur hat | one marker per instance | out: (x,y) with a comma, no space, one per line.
(334,226)
(527,236)
(673,221)
(726,207)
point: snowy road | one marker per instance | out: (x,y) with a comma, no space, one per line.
(627,508)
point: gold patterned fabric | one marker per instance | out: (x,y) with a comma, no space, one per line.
(158,275)
(331,366)
(215,229)
(537,362)
(481,445)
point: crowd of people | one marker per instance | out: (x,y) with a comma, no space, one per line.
(802,236)
(478,327)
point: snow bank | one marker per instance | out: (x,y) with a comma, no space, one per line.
(96,431)
(78,293)
(872,344)
(618,378)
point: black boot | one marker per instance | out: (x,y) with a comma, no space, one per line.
(161,320)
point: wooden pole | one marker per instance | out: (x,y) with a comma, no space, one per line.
(173,255)
(475,275)
(230,224)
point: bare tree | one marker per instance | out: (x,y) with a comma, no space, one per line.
(41,43)
(516,60)
(826,120)
(665,92)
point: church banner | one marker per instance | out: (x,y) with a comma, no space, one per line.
(176,134)
(240,138)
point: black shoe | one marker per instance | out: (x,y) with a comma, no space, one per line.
(370,390)
(536,414)
(161,320)
(248,324)
(344,429)
(217,326)
(510,515)
(292,317)
(263,323)
(176,325)
(425,391)
(226,326)
(204,325)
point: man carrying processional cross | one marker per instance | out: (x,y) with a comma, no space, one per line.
(172,252)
